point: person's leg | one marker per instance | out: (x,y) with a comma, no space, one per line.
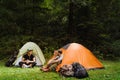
(53,67)
(49,63)
(32,64)
(46,67)
(21,64)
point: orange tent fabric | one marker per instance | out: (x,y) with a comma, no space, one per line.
(78,53)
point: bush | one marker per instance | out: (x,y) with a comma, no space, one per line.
(116,48)
(106,50)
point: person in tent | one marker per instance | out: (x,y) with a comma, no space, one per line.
(28,60)
(57,58)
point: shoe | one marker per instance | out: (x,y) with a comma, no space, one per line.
(24,66)
(29,66)
(45,69)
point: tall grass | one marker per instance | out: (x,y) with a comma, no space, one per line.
(111,72)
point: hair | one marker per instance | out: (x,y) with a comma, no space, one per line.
(59,51)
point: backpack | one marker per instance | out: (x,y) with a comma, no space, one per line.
(64,71)
(79,71)
(11,60)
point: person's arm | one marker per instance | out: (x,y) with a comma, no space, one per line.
(23,59)
(32,60)
(59,59)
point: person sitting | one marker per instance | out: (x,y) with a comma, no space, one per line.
(28,60)
(57,58)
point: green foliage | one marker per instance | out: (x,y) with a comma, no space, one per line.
(116,48)
(54,23)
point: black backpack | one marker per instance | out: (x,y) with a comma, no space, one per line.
(11,60)
(79,71)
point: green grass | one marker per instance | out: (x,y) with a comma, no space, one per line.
(111,72)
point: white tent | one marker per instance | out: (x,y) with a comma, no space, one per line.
(40,60)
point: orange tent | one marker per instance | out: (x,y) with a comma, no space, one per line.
(75,52)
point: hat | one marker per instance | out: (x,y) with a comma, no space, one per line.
(29,49)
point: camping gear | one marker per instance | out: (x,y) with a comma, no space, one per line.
(67,71)
(40,60)
(73,70)
(74,52)
(79,71)
(11,60)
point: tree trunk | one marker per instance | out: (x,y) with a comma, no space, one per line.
(70,20)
